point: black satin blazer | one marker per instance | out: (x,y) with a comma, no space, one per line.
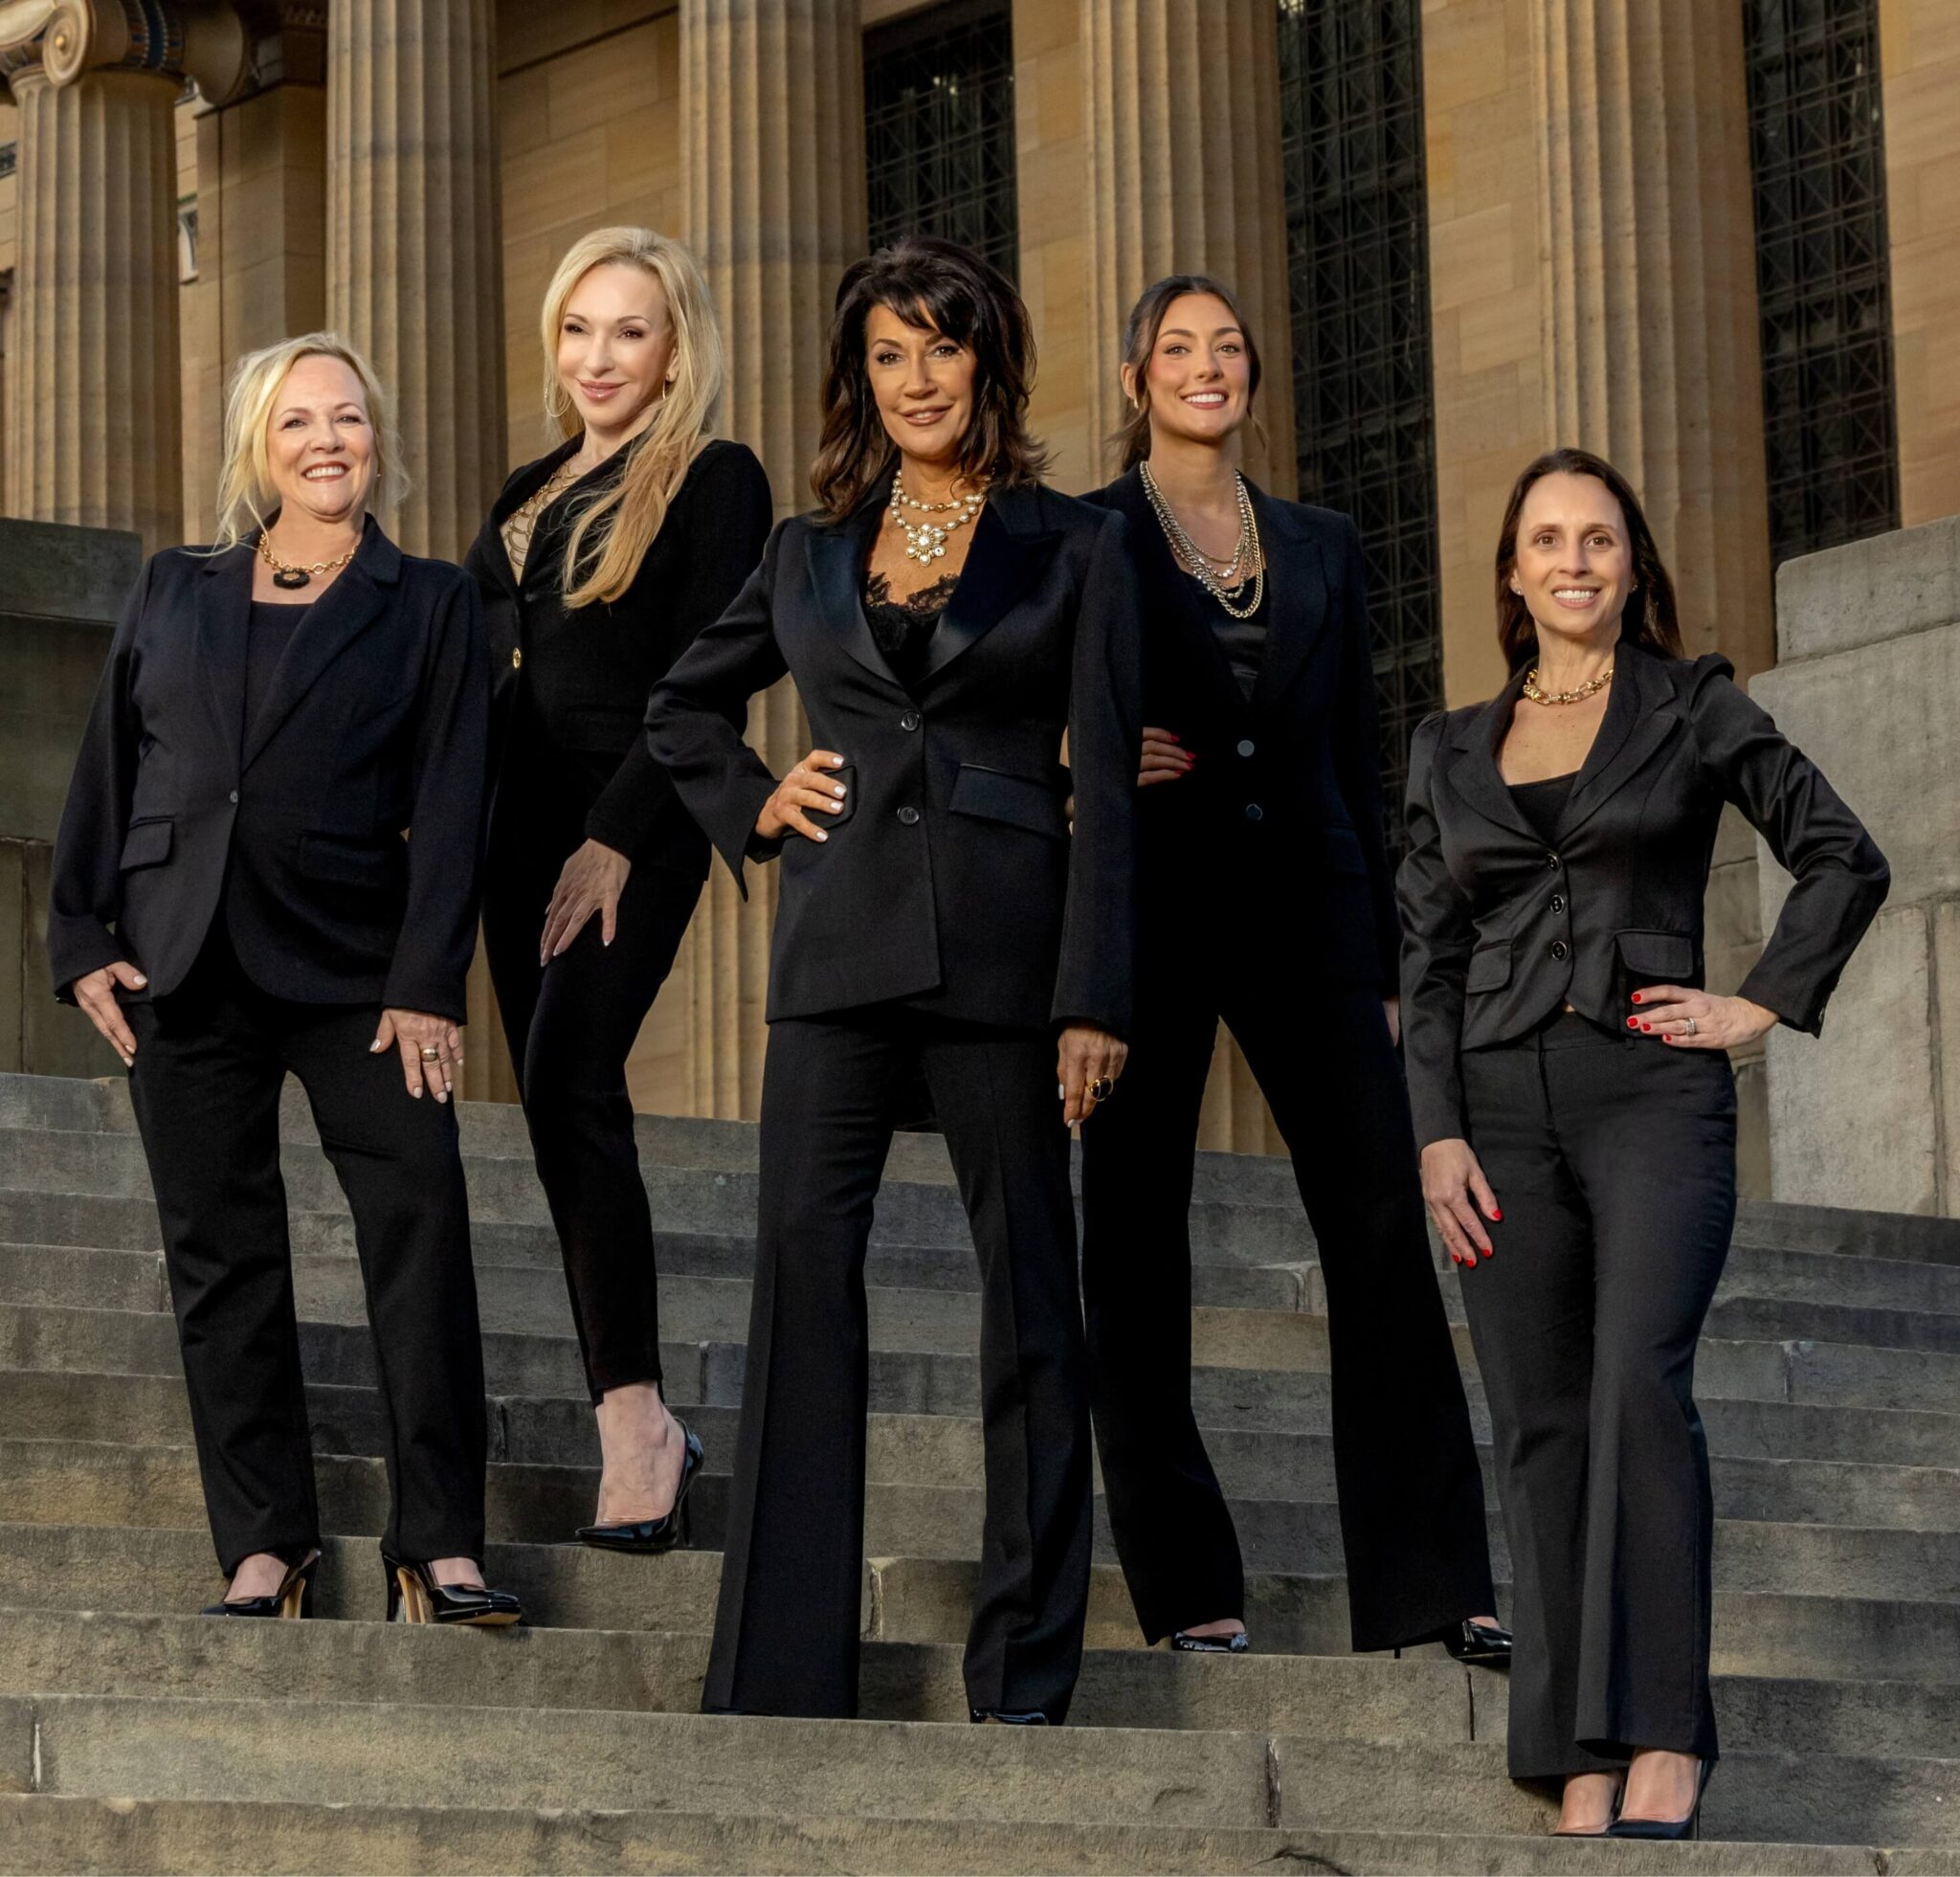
(950,880)
(374,729)
(1502,929)
(1282,819)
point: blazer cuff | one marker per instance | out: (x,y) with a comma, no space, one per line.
(621,835)
(82,946)
(1437,1117)
(409,990)
(1799,1008)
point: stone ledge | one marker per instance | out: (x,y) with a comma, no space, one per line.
(1868,591)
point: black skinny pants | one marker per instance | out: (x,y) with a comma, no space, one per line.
(570,1025)
(211,1061)
(1410,1491)
(793,1573)
(1612,1159)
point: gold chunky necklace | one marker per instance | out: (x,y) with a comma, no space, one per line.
(289,577)
(1199,566)
(1585,690)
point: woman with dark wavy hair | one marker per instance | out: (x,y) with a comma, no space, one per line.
(1567,1065)
(946,619)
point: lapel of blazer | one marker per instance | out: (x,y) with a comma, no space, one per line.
(1300,600)
(1169,595)
(224,618)
(1474,772)
(1642,713)
(334,621)
(1010,550)
(836,552)
(513,497)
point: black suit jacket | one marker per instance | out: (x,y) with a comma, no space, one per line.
(1503,928)
(570,688)
(951,879)
(374,727)
(1284,807)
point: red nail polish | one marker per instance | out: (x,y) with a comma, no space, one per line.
(1499,1217)
(1632,1023)
(1637,996)
(1647,1028)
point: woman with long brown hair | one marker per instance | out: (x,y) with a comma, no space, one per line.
(1576,1113)
(946,619)
(1264,899)
(598,565)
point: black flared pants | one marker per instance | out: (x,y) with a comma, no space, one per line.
(211,1061)
(1410,1491)
(787,1626)
(1612,1159)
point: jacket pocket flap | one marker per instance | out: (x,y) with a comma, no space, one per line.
(1343,849)
(344,863)
(1021,801)
(1659,956)
(1490,967)
(147,843)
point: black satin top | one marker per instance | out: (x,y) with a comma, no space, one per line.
(1544,802)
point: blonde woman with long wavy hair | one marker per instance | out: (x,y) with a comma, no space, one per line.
(597,566)
(268,865)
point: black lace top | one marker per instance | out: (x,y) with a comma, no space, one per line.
(903,628)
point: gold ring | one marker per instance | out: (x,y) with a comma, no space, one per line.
(430,1054)
(1102,1088)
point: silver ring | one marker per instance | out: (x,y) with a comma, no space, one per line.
(1691,1026)
(430,1054)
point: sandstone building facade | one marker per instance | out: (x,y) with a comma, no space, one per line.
(1717,242)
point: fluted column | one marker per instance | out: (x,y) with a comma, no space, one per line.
(773,157)
(1184,177)
(414,257)
(94,424)
(1648,243)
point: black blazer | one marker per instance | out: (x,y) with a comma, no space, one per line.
(1286,803)
(951,879)
(1502,929)
(570,688)
(374,728)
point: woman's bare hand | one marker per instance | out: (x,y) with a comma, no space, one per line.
(1165,757)
(96,994)
(1086,1056)
(808,788)
(1392,1009)
(413,1033)
(591,881)
(1667,1009)
(1455,1191)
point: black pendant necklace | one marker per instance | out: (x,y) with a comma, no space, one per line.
(289,578)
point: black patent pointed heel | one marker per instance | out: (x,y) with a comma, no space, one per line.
(414,1595)
(1008,1717)
(1184,1644)
(661,1534)
(1482,1644)
(293,1598)
(1618,1799)
(1672,1831)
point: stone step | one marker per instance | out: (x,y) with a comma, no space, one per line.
(1854,1634)
(380,1754)
(1337,1697)
(45,1833)
(940,1449)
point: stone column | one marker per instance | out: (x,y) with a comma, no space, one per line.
(1647,250)
(773,163)
(414,255)
(1184,176)
(96,85)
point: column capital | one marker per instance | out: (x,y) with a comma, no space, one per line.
(60,40)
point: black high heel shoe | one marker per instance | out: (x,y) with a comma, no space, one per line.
(414,1595)
(1007,1717)
(294,1596)
(1184,1644)
(1673,1831)
(1605,1830)
(660,1534)
(1483,1644)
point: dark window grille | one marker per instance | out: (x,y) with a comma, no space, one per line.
(1823,275)
(939,129)
(10,158)
(1357,245)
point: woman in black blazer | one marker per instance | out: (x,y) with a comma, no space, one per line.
(1265,897)
(945,619)
(268,863)
(1566,1065)
(597,566)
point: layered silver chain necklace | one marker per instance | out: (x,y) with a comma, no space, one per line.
(1221,579)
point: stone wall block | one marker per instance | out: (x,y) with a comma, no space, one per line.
(1869,590)
(1945,1020)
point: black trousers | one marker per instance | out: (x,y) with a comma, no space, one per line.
(1410,1491)
(211,1061)
(787,1627)
(570,1025)
(1612,1159)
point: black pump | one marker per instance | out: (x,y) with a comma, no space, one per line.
(414,1595)
(294,1596)
(652,1536)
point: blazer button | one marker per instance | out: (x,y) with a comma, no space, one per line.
(1558,903)
(1254,811)
(1551,860)
(516,658)
(233,796)
(909,721)
(1561,950)
(1245,746)
(909,816)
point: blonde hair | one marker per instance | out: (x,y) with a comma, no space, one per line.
(613,529)
(245,487)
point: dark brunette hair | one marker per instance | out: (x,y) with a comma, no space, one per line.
(1650,620)
(930,284)
(1140,334)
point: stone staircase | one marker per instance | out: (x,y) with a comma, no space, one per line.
(134,1737)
